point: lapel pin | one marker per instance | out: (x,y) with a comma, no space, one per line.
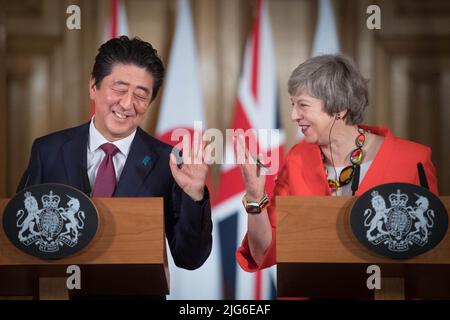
(146,160)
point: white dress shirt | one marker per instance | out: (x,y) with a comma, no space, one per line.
(95,154)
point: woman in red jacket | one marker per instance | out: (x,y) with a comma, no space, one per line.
(329,97)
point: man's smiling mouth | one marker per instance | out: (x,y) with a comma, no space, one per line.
(120,115)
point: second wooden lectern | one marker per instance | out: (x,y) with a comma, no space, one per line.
(126,257)
(318,256)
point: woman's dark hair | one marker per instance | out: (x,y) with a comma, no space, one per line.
(124,50)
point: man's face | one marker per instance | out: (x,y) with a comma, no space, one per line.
(121,101)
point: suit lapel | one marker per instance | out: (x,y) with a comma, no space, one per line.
(313,171)
(140,161)
(375,175)
(75,158)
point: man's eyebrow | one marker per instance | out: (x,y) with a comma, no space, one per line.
(121,82)
(147,91)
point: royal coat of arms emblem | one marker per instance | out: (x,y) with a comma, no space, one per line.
(50,221)
(399,220)
(399,225)
(51,226)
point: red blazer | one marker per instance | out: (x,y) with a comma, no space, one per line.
(303,174)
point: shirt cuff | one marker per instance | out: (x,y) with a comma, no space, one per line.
(205,198)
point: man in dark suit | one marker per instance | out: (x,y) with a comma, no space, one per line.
(112,156)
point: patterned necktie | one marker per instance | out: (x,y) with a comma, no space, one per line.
(105,181)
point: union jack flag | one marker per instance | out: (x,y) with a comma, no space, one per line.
(256,107)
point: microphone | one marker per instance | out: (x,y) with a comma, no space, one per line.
(23,181)
(422,176)
(355,180)
(86,183)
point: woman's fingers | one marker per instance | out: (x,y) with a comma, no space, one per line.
(240,151)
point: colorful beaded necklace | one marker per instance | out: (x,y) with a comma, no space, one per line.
(356,157)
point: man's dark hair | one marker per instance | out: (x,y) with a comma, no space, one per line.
(124,50)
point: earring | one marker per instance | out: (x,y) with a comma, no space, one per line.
(338,116)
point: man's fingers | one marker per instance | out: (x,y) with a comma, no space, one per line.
(207,157)
(196,144)
(173,163)
(187,150)
(178,173)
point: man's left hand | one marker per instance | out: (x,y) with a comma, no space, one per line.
(191,174)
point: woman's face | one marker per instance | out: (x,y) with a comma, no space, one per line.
(310,116)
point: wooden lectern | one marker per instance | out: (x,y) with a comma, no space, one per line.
(126,257)
(318,256)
